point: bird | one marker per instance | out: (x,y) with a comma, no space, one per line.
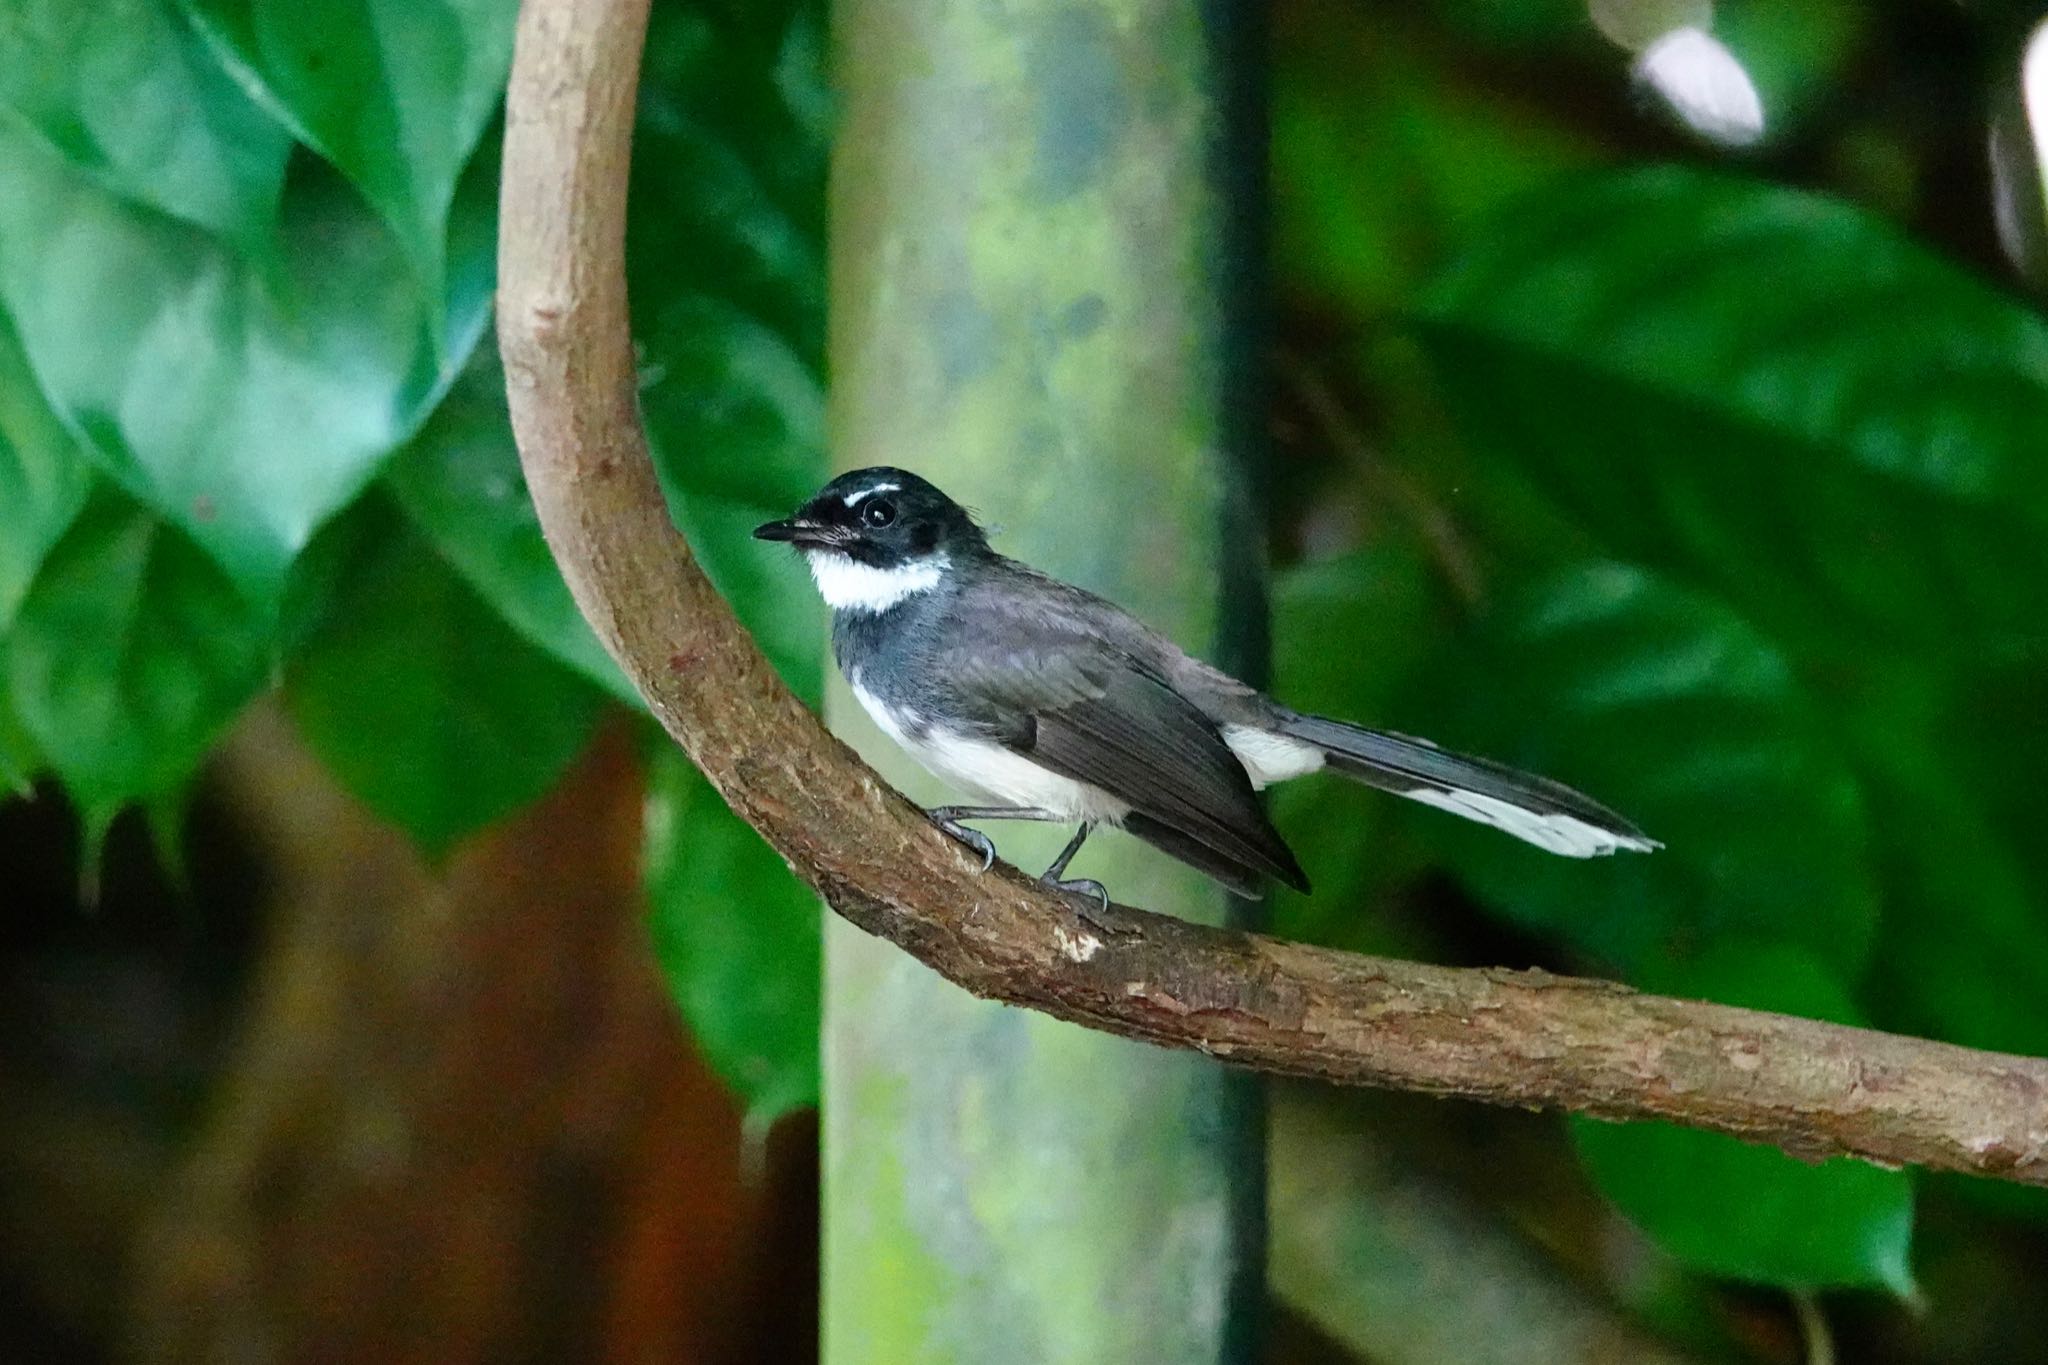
(1049,703)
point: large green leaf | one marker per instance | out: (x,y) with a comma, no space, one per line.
(1665,704)
(739,411)
(460,482)
(245,411)
(1963,945)
(425,704)
(738,938)
(1983,733)
(43,475)
(129,94)
(395,93)
(130,655)
(1750,1212)
(1720,379)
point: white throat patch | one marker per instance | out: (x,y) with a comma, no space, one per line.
(848,585)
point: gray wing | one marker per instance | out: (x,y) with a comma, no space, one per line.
(1085,710)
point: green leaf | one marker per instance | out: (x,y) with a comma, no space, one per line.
(460,482)
(129,94)
(1963,946)
(43,475)
(1964,950)
(1666,705)
(20,760)
(1983,732)
(727,251)
(1749,1212)
(1711,378)
(738,938)
(395,93)
(130,655)
(741,96)
(245,413)
(426,705)
(740,412)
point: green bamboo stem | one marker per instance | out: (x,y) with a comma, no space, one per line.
(1030,288)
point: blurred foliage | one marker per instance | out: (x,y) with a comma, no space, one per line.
(129,656)
(1666,702)
(1742,508)
(1704,479)
(486,722)
(43,481)
(128,94)
(393,93)
(245,266)
(460,484)
(1698,372)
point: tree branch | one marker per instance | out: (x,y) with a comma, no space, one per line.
(1506,1037)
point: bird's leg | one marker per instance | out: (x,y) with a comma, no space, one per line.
(948,818)
(1084,886)
(1059,864)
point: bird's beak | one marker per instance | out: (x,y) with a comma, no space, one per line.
(789,529)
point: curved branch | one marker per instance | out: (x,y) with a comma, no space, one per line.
(1506,1037)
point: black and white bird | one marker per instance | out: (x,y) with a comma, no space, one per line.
(1052,704)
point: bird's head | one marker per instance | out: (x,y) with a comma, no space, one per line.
(876,536)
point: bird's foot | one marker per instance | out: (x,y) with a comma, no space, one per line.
(1081,886)
(973,838)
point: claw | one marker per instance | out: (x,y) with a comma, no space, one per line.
(974,839)
(1083,886)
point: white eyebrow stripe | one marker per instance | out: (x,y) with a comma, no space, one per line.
(853,499)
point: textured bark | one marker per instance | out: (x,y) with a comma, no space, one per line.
(1507,1037)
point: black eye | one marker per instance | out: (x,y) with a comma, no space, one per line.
(878,512)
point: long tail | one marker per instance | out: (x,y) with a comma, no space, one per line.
(1547,814)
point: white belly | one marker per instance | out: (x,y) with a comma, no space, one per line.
(989,771)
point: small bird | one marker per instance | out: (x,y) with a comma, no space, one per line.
(1056,705)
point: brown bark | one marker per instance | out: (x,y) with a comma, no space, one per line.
(1506,1037)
